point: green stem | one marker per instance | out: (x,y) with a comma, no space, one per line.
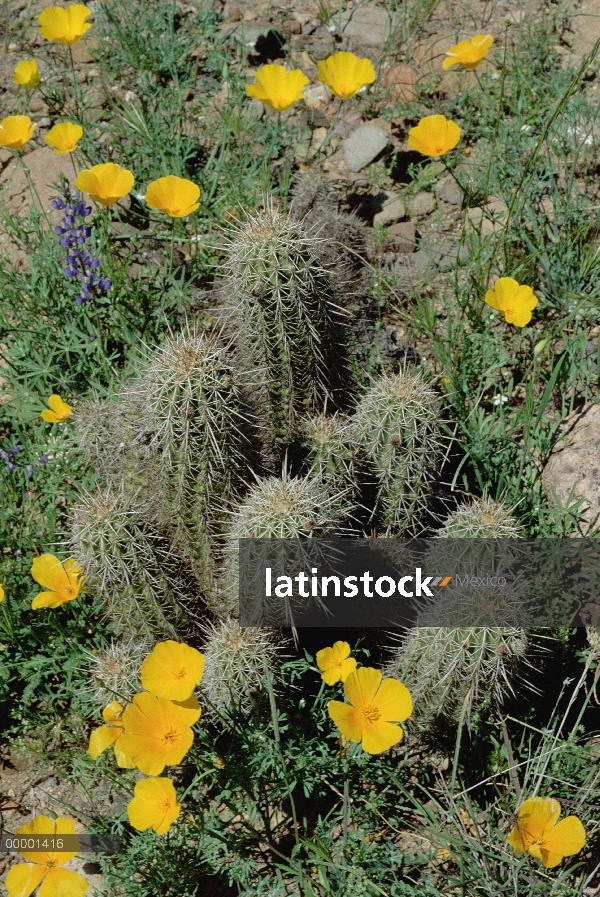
(35,196)
(323,145)
(76,94)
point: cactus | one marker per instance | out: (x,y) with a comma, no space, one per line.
(114,672)
(330,451)
(279,508)
(445,668)
(133,569)
(193,406)
(482,518)
(281,311)
(234,665)
(397,424)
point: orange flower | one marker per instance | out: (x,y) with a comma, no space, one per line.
(435,135)
(57,410)
(177,197)
(27,74)
(106,184)
(65,26)
(43,868)
(64,580)
(16,131)
(515,301)
(158,731)
(335,663)
(539,832)
(102,737)
(154,805)
(277,87)
(63,138)
(374,710)
(468,53)
(172,671)
(345,74)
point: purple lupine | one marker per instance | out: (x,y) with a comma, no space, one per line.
(73,233)
(8,456)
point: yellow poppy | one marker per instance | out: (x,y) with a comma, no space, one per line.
(64,580)
(43,866)
(16,131)
(154,805)
(539,832)
(27,74)
(468,53)
(158,732)
(63,138)
(2,594)
(277,87)
(345,74)
(57,410)
(516,301)
(434,135)
(106,183)
(172,671)
(65,26)
(103,736)
(335,663)
(177,197)
(374,710)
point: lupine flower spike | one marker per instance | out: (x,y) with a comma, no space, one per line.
(74,233)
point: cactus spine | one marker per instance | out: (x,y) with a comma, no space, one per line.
(131,567)
(114,672)
(482,518)
(397,424)
(280,309)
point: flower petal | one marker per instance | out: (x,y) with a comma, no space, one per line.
(393,700)
(565,839)
(173,670)
(380,736)
(63,883)
(361,687)
(101,738)
(348,719)
(23,879)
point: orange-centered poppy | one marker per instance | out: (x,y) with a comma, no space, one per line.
(539,832)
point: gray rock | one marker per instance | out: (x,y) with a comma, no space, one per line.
(421,204)
(368,25)
(393,210)
(364,145)
(573,468)
(404,237)
(447,190)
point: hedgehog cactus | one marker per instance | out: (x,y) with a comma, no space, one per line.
(281,311)
(330,450)
(234,665)
(131,567)
(445,667)
(482,518)
(397,425)
(114,671)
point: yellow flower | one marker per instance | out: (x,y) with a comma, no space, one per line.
(172,671)
(65,26)
(106,183)
(27,74)
(64,137)
(345,74)
(276,87)
(64,580)
(44,865)
(434,135)
(2,595)
(102,737)
(540,834)
(515,301)
(468,53)
(15,131)
(374,709)
(336,663)
(158,732)
(177,197)
(154,805)
(57,410)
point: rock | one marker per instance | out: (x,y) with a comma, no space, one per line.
(368,25)
(401,81)
(363,146)
(573,469)
(393,210)
(293,26)
(420,205)
(316,96)
(232,12)
(444,254)
(37,105)
(45,167)
(448,191)
(403,236)
(81,54)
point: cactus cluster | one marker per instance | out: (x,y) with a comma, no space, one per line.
(481,518)
(252,430)
(114,671)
